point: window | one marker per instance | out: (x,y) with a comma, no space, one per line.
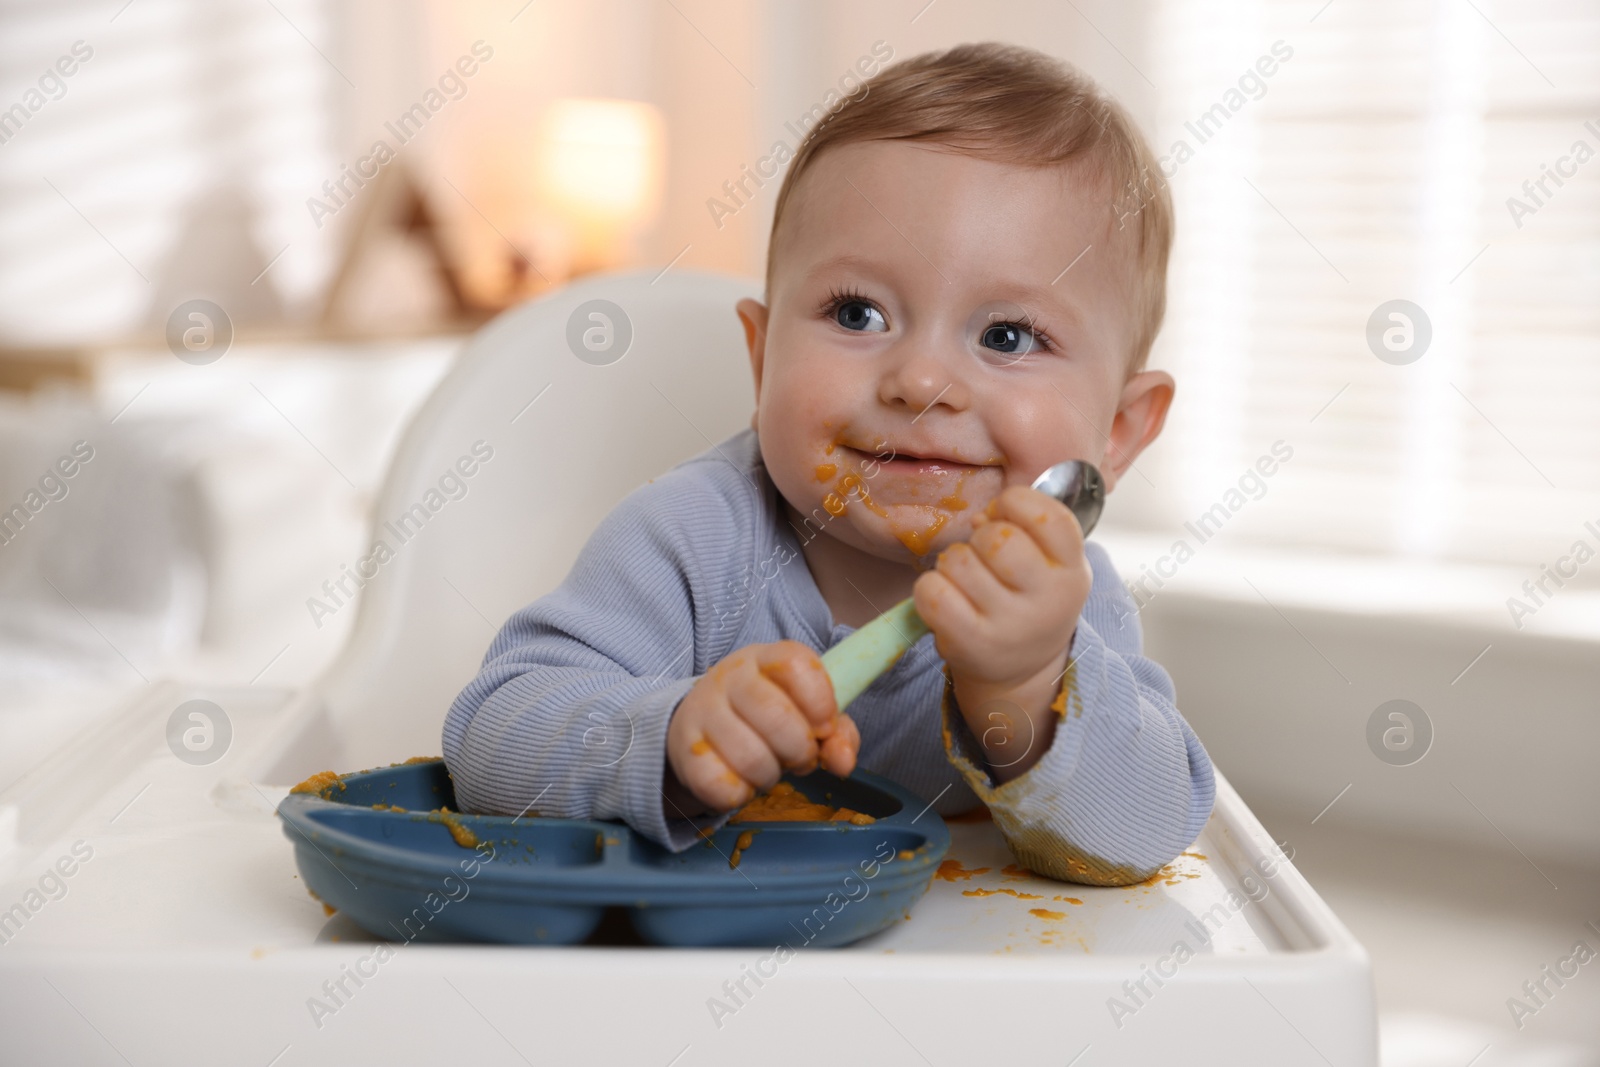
(187,135)
(1326,162)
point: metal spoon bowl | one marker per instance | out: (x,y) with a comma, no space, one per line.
(1078,485)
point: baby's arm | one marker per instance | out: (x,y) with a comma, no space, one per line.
(568,714)
(1125,784)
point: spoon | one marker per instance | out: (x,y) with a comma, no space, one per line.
(857,661)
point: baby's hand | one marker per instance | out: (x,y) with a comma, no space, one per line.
(759,712)
(1004,605)
(1003,608)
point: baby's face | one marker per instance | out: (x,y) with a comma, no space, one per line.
(941,327)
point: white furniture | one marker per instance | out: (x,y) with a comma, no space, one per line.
(186,937)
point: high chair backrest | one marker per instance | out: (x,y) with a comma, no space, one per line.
(553,413)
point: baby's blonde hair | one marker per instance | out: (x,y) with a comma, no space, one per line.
(1013,105)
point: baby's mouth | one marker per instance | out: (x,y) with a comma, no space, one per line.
(899,462)
(915,493)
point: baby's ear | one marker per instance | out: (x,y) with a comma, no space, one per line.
(1141,413)
(753,314)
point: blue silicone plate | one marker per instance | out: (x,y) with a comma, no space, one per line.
(530,880)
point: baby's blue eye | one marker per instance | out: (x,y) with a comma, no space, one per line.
(859,315)
(1011,338)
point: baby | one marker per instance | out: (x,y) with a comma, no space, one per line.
(965,275)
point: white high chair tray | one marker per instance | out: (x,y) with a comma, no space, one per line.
(150,909)
(187,937)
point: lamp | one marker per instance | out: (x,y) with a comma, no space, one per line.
(598,166)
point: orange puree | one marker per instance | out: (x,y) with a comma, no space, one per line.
(918,541)
(1162,875)
(1069,683)
(318,782)
(784,803)
(463,836)
(836,503)
(700,747)
(952,871)
(1008,892)
(739,846)
(1045,913)
(852,484)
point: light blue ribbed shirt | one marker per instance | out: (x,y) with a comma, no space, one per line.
(568,715)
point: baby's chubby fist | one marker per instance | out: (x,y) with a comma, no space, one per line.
(1004,605)
(763,710)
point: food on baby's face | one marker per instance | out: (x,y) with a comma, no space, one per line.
(784,803)
(919,539)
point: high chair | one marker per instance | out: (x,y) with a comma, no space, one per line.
(183,934)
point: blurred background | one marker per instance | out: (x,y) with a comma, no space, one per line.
(243,239)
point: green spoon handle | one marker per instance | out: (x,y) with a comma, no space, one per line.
(856,662)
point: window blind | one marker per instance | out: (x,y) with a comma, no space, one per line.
(183,143)
(1326,160)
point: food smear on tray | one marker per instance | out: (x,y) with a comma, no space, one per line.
(784,803)
(980,892)
(951,871)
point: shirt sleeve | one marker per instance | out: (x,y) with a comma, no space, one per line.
(568,714)
(1125,785)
